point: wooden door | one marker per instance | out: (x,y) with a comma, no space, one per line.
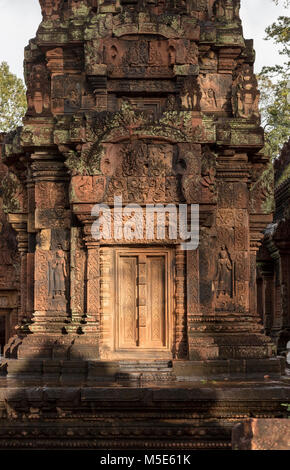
(156,314)
(128,301)
(142,321)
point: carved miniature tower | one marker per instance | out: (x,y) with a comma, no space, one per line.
(155,102)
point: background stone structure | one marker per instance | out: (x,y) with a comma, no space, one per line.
(154,101)
(157,103)
(9,270)
(274,260)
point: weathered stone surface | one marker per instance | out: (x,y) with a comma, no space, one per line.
(83,416)
(155,103)
(274,258)
(262,434)
(157,106)
(10,259)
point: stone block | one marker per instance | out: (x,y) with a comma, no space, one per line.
(262,434)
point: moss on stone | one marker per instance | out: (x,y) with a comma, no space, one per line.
(106,126)
(265,186)
(285,176)
(9,189)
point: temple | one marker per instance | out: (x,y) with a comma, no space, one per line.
(273,261)
(136,105)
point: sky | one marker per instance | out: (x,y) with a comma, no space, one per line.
(20,19)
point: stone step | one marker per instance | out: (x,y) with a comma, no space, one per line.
(145,371)
(147,377)
(145,365)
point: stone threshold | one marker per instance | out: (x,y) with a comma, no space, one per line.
(175,416)
(158,370)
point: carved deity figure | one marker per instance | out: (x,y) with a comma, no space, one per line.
(237,7)
(191,94)
(225,273)
(209,59)
(38,93)
(136,55)
(192,54)
(227,10)
(44,239)
(171,103)
(155,57)
(210,99)
(172,55)
(245,94)
(199,5)
(50,7)
(57,274)
(219,9)
(208,170)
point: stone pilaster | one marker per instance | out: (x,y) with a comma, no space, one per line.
(19,223)
(181,348)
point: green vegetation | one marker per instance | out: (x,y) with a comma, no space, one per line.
(12,99)
(274,85)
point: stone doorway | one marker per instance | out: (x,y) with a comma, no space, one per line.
(141,303)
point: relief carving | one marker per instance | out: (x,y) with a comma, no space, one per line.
(72,93)
(136,54)
(44,239)
(51,8)
(227,10)
(208,170)
(190,94)
(38,91)
(156,102)
(224,274)
(208,60)
(245,99)
(57,275)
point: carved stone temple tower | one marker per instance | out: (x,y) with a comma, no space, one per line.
(156,102)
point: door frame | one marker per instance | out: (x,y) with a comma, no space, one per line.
(161,352)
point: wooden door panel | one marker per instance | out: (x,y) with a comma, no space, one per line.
(142,301)
(156,308)
(127,301)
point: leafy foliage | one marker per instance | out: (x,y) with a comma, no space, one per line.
(285,3)
(12,99)
(274,86)
(275,112)
(287,405)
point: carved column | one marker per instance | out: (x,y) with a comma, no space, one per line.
(51,263)
(84,292)
(106,308)
(52,221)
(19,223)
(180,304)
(193,311)
(31,245)
(254,247)
(93,288)
(77,284)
